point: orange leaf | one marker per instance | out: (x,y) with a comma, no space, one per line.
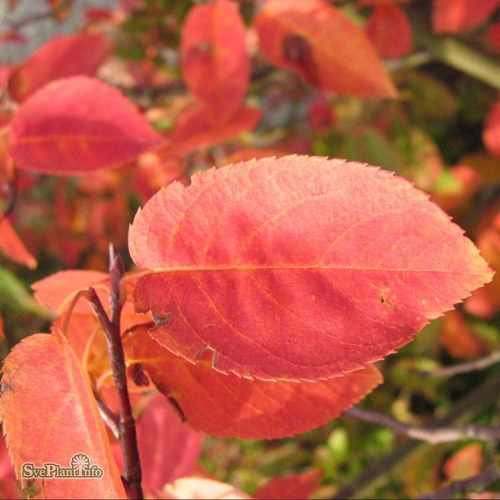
(390,31)
(192,129)
(215,62)
(13,247)
(297,267)
(322,45)
(49,415)
(454,16)
(56,291)
(230,406)
(290,487)
(464,463)
(76,125)
(62,57)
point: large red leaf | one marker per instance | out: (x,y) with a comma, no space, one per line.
(168,448)
(453,16)
(62,57)
(297,267)
(76,125)
(49,415)
(215,62)
(323,45)
(231,406)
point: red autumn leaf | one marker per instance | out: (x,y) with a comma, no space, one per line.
(323,45)
(319,113)
(57,290)
(390,31)
(36,373)
(168,448)
(231,406)
(13,247)
(297,486)
(154,170)
(62,57)
(193,130)
(491,133)
(215,62)
(76,125)
(297,267)
(459,15)
(492,37)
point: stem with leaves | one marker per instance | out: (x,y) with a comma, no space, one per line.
(111,327)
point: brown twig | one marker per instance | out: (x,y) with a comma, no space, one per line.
(109,417)
(476,483)
(477,364)
(470,404)
(111,327)
(433,435)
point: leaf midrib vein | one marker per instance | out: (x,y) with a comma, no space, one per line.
(299,267)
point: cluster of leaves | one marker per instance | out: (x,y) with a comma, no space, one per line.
(259,294)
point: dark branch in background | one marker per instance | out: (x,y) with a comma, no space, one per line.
(470,366)
(471,404)
(111,327)
(434,435)
(473,484)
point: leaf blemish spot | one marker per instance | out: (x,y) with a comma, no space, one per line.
(202,351)
(162,319)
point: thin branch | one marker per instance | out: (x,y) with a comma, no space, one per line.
(109,418)
(433,435)
(473,402)
(111,327)
(470,366)
(476,483)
